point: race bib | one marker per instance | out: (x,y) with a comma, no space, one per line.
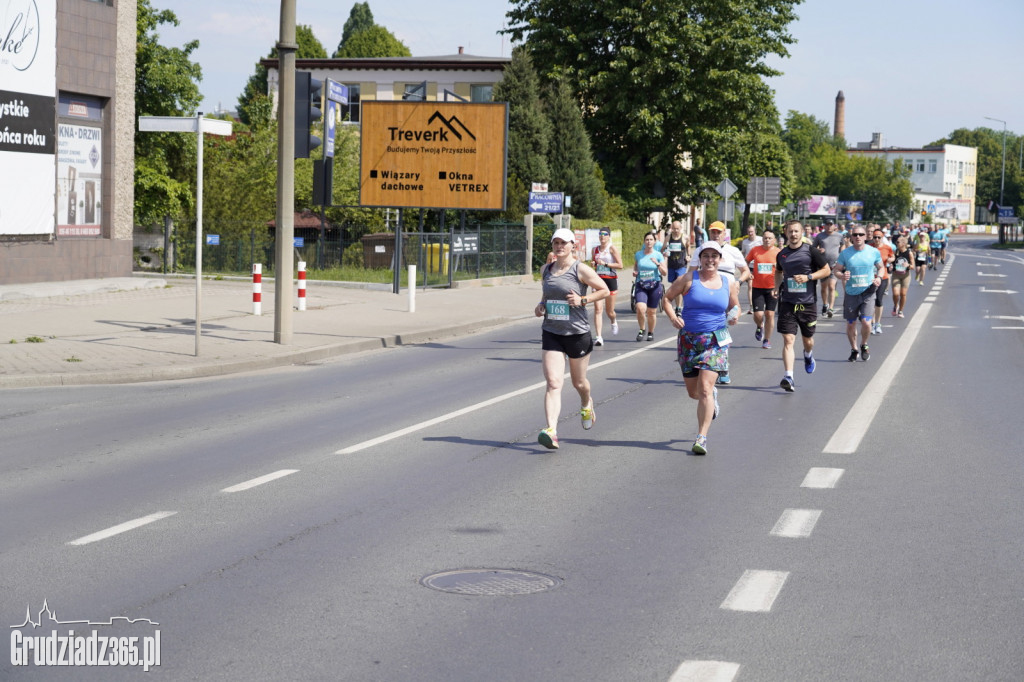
(765,268)
(557,310)
(723,336)
(604,269)
(675,247)
(647,276)
(901,266)
(861,281)
(795,287)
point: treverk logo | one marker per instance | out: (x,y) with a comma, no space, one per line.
(121,645)
(436,135)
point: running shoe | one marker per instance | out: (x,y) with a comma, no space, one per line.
(830,312)
(864,352)
(724,379)
(824,309)
(548,438)
(700,446)
(874,328)
(894,311)
(640,335)
(787,385)
(750,311)
(650,336)
(758,333)
(809,364)
(598,341)
(766,345)
(853,355)
(900,314)
(588,416)
(921,282)
(615,328)
(879,327)
(714,394)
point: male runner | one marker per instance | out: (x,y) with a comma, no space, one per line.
(860,268)
(829,243)
(798,266)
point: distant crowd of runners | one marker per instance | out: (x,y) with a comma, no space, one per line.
(702,299)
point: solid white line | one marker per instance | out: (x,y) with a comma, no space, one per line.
(121,528)
(755,591)
(847,437)
(1008,327)
(705,671)
(487,403)
(259,481)
(796,523)
(944,326)
(822,477)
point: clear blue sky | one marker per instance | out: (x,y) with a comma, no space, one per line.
(913,70)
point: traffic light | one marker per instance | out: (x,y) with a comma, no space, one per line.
(307,112)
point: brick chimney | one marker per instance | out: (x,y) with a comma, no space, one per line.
(839,127)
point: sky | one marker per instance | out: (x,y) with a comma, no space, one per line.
(912,70)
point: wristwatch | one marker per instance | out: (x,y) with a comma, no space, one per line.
(583,300)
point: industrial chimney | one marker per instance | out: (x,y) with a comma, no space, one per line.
(839,128)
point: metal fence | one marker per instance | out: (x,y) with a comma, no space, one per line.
(353,252)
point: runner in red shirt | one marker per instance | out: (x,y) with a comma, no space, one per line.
(761,261)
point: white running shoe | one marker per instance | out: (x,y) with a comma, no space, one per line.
(588,416)
(598,341)
(615,328)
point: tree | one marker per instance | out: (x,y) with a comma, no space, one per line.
(166,84)
(569,158)
(989,144)
(660,80)
(254,104)
(360,18)
(810,143)
(375,41)
(528,129)
(883,186)
(760,155)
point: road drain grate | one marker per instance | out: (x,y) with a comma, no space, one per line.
(492,582)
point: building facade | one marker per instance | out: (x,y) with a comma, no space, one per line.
(944,177)
(67,139)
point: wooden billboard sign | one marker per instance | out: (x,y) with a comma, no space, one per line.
(433,155)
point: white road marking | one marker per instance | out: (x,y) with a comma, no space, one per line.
(755,591)
(487,403)
(1019,318)
(991,274)
(822,477)
(930,299)
(1008,327)
(259,481)
(996,291)
(944,326)
(847,437)
(705,671)
(796,523)
(121,528)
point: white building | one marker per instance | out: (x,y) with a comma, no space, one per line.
(944,177)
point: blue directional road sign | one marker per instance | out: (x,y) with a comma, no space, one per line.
(213,240)
(336,92)
(546,202)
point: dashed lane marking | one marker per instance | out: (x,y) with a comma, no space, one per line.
(755,591)
(796,523)
(705,671)
(822,477)
(259,481)
(122,528)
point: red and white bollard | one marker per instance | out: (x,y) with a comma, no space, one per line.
(257,288)
(302,285)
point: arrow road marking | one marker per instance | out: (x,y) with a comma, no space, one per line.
(997,291)
(991,274)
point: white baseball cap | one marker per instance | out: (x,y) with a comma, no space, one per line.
(565,234)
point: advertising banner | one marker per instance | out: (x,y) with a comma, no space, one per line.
(28,85)
(953,209)
(819,204)
(851,211)
(79,174)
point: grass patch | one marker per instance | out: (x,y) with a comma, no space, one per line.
(35,339)
(72,359)
(1008,246)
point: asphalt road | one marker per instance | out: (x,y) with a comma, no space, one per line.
(865,527)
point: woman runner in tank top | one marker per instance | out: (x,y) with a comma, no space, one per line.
(565,331)
(606,260)
(703,345)
(901,269)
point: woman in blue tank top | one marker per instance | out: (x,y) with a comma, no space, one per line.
(710,305)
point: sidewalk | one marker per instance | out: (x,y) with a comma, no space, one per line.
(143,329)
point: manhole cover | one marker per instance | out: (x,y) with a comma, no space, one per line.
(494,582)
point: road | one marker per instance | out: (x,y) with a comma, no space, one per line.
(865,527)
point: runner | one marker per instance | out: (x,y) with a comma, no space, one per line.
(888,258)
(901,268)
(606,260)
(829,243)
(921,259)
(798,266)
(675,251)
(703,344)
(565,332)
(935,239)
(749,242)
(648,268)
(860,268)
(762,259)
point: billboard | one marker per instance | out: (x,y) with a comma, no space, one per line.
(952,209)
(433,155)
(819,204)
(28,85)
(79,180)
(851,210)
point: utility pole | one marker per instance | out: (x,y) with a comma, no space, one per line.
(286,48)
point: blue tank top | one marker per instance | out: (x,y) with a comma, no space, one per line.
(704,309)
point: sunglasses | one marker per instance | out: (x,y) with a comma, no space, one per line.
(858,234)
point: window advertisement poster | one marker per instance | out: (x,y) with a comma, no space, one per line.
(819,204)
(28,85)
(953,209)
(79,174)
(851,211)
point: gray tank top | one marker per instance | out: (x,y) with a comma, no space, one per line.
(559,317)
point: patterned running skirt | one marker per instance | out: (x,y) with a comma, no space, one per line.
(700,350)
